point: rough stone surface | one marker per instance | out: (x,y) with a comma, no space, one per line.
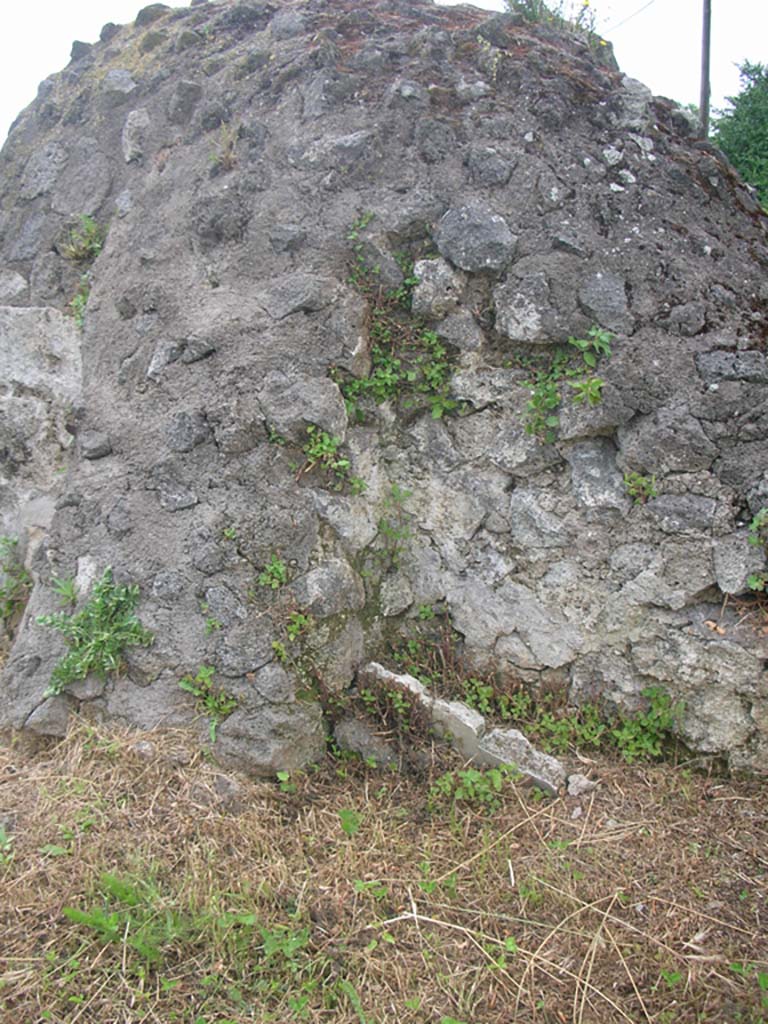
(228,149)
(12,285)
(438,292)
(134,134)
(40,366)
(95,445)
(462,724)
(358,736)
(580,785)
(117,86)
(475,238)
(509,746)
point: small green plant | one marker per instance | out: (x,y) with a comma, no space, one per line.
(747,970)
(596,344)
(758,538)
(581,729)
(211,700)
(212,625)
(375,888)
(404,291)
(476,788)
(274,574)
(6,848)
(322,450)
(360,271)
(558,730)
(640,488)
(428,885)
(15,581)
(670,978)
(85,241)
(67,591)
(359,225)
(274,437)
(98,634)
(80,301)
(229,533)
(642,736)
(576,16)
(393,707)
(130,913)
(394,530)
(69,835)
(298,624)
(225,157)
(541,418)
(588,390)
(409,363)
(350,821)
(280,651)
(285,784)
(348,989)
(481,696)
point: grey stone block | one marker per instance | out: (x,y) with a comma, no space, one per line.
(509,746)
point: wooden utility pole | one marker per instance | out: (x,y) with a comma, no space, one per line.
(706,35)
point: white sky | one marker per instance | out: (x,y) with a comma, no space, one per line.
(657,41)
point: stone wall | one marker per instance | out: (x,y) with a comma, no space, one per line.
(265,171)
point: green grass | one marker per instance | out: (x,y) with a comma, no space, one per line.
(15,581)
(138,887)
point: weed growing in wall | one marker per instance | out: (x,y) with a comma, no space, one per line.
(225,157)
(432,655)
(67,590)
(394,531)
(577,16)
(15,581)
(274,574)
(409,363)
(640,488)
(572,367)
(98,634)
(85,241)
(80,301)
(210,699)
(643,736)
(394,709)
(322,450)
(758,538)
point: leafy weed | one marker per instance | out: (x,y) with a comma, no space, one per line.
(211,700)
(98,634)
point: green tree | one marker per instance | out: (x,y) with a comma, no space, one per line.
(742,131)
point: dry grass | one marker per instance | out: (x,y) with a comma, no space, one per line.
(644,901)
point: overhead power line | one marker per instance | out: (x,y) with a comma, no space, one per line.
(612,28)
